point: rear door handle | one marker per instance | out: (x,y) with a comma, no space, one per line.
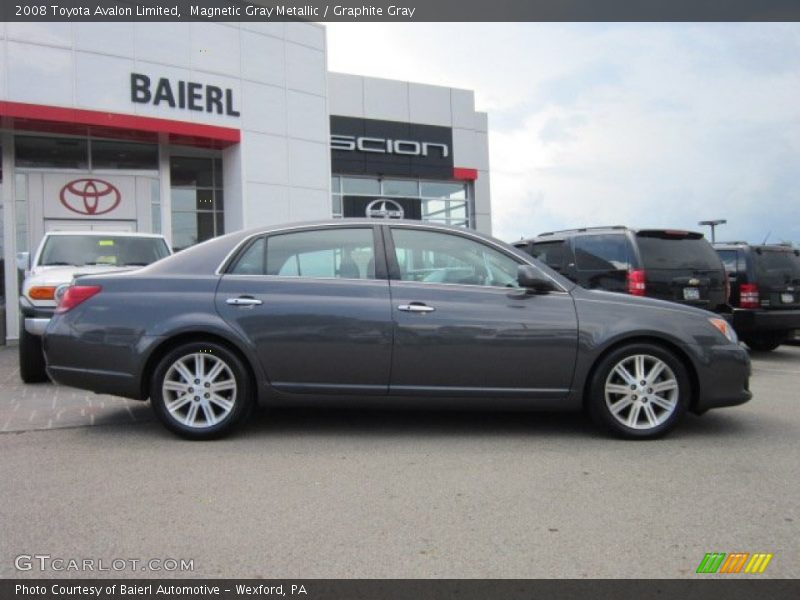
(416,307)
(244,301)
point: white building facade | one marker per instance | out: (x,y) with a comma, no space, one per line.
(196,129)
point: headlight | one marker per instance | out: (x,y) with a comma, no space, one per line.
(725,329)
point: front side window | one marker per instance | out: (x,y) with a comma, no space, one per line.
(434,257)
(341,253)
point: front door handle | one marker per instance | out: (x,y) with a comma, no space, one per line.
(244,301)
(416,307)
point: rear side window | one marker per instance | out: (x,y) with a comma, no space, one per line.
(550,253)
(678,253)
(730,260)
(328,253)
(602,252)
(252,260)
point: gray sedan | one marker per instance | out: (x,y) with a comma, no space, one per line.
(385,314)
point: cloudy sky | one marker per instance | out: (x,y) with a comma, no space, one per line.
(640,124)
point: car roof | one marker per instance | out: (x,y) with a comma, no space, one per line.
(561,235)
(208,255)
(770,247)
(98,233)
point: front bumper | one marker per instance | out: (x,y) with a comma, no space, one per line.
(723,375)
(35,319)
(36,326)
(758,320)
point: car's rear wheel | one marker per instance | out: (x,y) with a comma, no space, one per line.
(765,342)
(639,391)
(201,390)
(31,359)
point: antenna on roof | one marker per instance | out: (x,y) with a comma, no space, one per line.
(766,237)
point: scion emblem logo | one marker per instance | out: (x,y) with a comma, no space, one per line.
(384,208)
(90,197)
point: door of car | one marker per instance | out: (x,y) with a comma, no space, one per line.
(464,327)
(314,303)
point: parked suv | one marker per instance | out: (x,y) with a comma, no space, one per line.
(680,266)
(60,257)
(765,291)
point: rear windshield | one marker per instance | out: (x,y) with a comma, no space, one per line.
(111,250)
(677,253)
(778,261)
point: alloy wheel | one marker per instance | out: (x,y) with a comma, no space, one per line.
(641,391)
(199,390)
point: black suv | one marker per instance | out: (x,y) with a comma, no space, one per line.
(765,291)
(680,266)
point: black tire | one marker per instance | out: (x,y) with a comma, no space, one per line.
(601,412)
(765,342)
(31,358)
(242,401)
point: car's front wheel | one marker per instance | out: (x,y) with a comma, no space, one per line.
(201,390)
(31,359)
(639,391)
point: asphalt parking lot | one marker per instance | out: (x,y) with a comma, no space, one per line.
(310,494)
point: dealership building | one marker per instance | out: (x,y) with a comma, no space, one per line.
(196,129)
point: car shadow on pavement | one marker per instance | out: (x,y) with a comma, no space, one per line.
(361,423)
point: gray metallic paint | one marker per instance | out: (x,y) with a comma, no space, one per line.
(334,341)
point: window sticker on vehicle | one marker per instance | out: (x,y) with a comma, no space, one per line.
(105,243)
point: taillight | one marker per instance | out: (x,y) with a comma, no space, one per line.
(636,284)
(42,292)
(75,295)
(748,295)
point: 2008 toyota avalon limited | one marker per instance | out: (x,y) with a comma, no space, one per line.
(385,313)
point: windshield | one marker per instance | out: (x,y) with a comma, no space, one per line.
(111,250)
(678,253)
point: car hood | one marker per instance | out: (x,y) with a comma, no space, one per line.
(639,301)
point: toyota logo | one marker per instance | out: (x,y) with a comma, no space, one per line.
(384,208)
(90,197)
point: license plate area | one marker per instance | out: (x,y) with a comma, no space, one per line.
(787,298)
(691,293)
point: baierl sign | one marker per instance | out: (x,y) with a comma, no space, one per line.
(186,95)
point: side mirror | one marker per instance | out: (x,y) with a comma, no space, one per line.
(531,278)
(23,261)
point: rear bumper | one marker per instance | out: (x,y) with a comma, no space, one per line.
(756,320)
(105,361)
(723,375)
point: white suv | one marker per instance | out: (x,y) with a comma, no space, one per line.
(60,257)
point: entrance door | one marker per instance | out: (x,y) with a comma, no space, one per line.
(78,225)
